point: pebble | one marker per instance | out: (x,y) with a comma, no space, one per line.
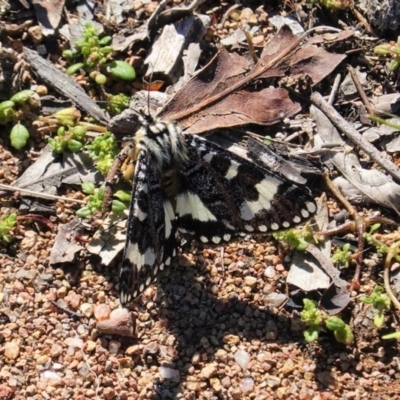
(74,342)
(87,309)
(11,350)
(247,384)
(102,312)
(250,281)
(274,299)
(242,358)
(114,346)
(193,386)
(56,350)
(209,370)
(6,392)
(270,272)
(51,378)
(231,339)
(169,373)
(216,384)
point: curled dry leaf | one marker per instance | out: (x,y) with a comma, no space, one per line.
(121,323)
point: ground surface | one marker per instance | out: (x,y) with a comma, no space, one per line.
(210,329)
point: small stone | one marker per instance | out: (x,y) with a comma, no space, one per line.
(272,381)
(131,350)
(109,393)
(221,355)
(250,281)
(216,384)
(73,300)
(226,382)
(56,350)
(6,392)
(193,386)
(114,346)
(236,394)
(35,32)
(43,359)
(11,350)
(87,309)
(51,378)
(231,339)
(151,347)
(169,373)
(247,385)
(102,312)
(242,358)
(209,370)
(274,299)
(270,272)
(90,345)
(195,358)
(74,342)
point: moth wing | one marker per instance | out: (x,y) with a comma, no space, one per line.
(222,194)
(151,231)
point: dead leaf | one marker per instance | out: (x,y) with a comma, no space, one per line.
(65,248)
(220,95)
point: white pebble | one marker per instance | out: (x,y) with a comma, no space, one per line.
(169,373)
(247,384)
(270,272)
(242,358)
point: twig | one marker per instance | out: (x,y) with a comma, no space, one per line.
(335,88)
(361,90)
(40,194)
(66,310)
(386,277)
(227,12)
(354,136)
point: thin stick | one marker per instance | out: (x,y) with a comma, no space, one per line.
(361,90)
(334,90)
(39,194)
(354,136)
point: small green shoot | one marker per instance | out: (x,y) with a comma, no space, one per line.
(317,319)
(380,301)
(297,238)
(103,149)
(390,50)
(15,110)
(117,103)
(342,256)
(7,223)
(94,202)
(94,55)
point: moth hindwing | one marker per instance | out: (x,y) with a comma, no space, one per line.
(185,184)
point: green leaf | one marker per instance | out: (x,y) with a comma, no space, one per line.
(311,335)
(88,187)
(334,323)
(379,320)
(117,206)
(74,68)
(121,70)
(123,195)
(83,212)
(22,97)
(19,136)
(100,79)
(394,335)
(74,145)
(105,40)
(344,335)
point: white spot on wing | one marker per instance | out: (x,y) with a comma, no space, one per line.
(204,239)
(285,224)
(249,228)
(262,228)
(267,189)
(311,207)
(169,216)
(227,237)
(274,226)
(216,239)
(135,257)
(191,204)
(208,157)
(168,261)
(296,219)
(148,281)
(305,213)
(232,171)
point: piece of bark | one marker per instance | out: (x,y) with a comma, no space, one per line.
(64,85)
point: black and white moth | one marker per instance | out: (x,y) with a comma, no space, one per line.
(184,184)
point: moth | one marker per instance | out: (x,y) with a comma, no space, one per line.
(185,185)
